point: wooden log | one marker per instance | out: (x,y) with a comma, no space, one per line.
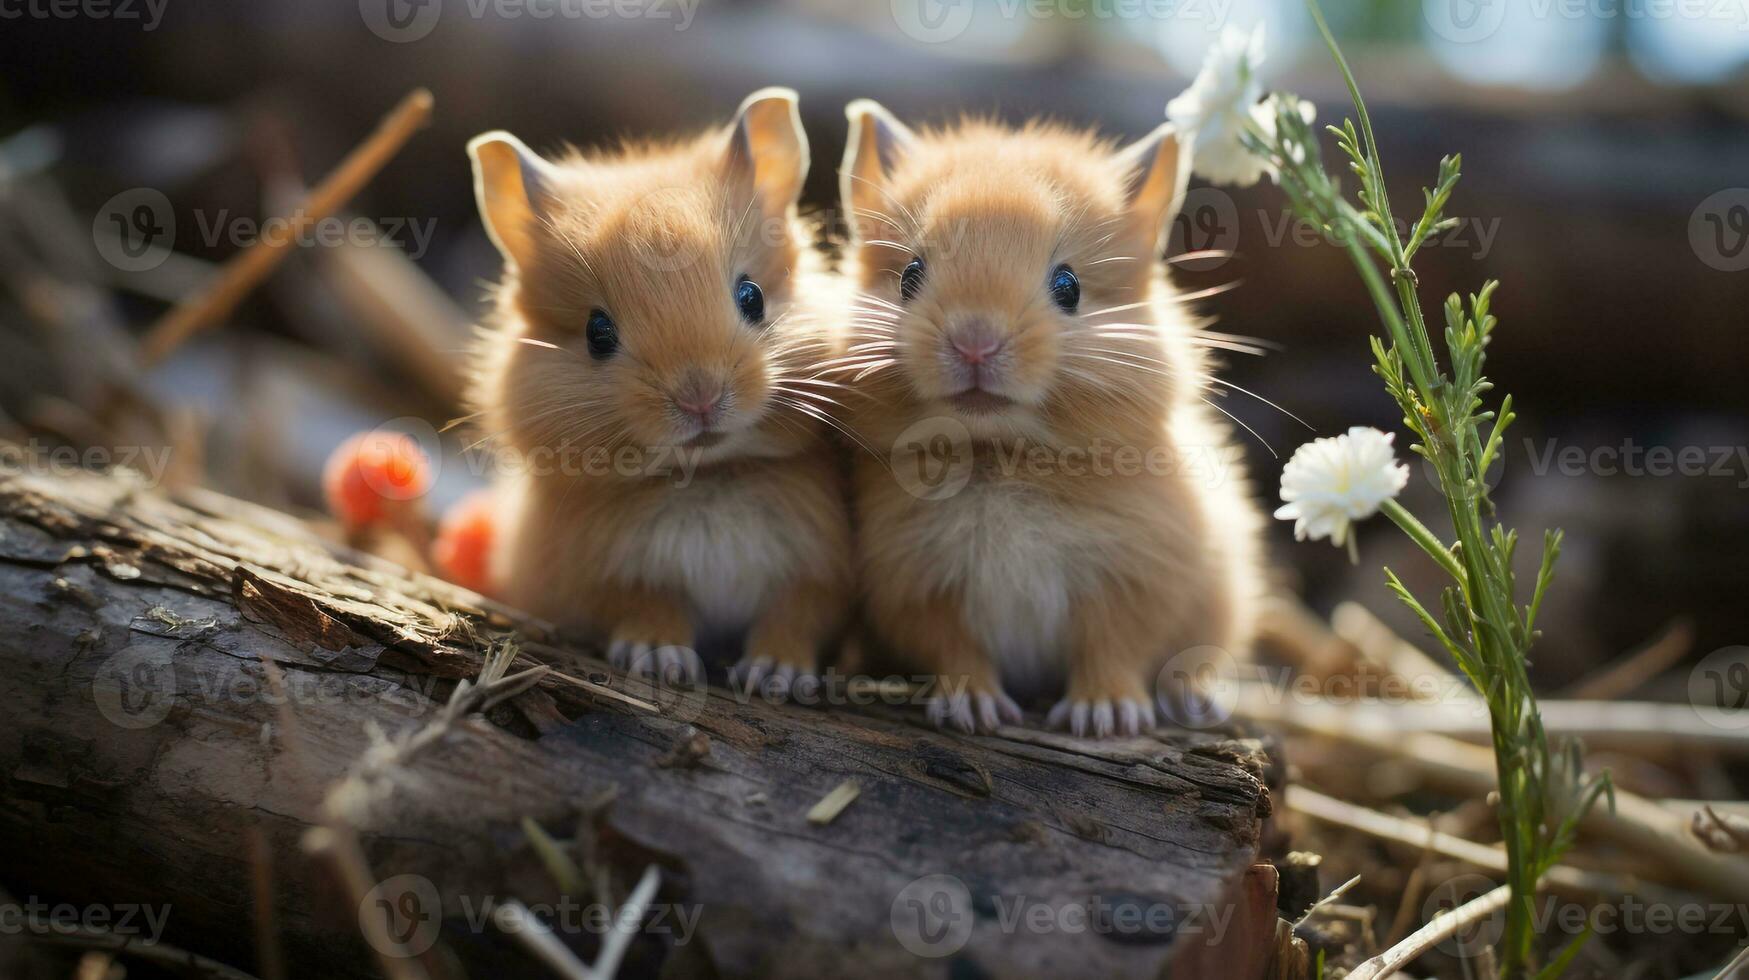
(150,756)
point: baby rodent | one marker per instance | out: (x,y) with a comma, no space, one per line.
(1012,320)
(646,371)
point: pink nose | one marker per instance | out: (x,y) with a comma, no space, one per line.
(700,396)
(700,406)
(975,344)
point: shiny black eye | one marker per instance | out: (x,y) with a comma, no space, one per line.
(1065,289)
(911,280)
(602,335)
(750,300)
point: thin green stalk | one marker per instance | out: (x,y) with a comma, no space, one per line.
(1481,626)
(1419,533)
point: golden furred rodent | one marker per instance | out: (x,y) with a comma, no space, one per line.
(647,376)
(1051,509)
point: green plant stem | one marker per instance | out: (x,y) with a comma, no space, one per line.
(1483,627)
(1419,533)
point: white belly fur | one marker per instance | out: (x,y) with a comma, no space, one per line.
(722,546)
(1018,560)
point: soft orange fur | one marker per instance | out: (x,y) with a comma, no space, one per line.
(757,540)
(1037,576)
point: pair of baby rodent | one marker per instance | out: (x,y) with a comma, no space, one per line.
(1040,503)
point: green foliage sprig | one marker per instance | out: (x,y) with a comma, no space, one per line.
(1481,621)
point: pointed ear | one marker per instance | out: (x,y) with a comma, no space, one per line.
(513,188)
(768,145)
(1156,170)
(878,141)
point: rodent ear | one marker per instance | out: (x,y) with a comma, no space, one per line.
(1156,169)
(512,186)
(767,143)
(878,141)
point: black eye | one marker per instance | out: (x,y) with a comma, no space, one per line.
(602,335)
(1065,289)
(911,280)
(750,300)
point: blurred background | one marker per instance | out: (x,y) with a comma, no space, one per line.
(1606,162)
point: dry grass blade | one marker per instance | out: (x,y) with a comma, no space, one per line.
(1637,823)
(829,807)
(607,693)
(1330,899)
(1737,969)
(1387,964)
(1638,727)
(626,923)
(1382,826)
(516,921)
(1726,833)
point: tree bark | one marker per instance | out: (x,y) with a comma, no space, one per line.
(150,756)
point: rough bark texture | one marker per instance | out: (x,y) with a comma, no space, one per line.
(146,757)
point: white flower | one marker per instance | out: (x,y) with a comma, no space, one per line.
(1219,103)
(1264,113)
(1214,109)
(1331,483)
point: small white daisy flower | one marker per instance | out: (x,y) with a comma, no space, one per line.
(1331,483)
(1219,104)
(1216,106)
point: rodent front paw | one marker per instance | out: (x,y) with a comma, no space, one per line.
(969,711)
(670,662)
(776,681)
(1102,718)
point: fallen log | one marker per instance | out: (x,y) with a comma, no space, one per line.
(189,679)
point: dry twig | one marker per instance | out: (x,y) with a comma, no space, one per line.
(1421,940)
(243,273)
(1638,823)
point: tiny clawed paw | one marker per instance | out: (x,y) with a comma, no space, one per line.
(775,681)
(1103,718)
(983,711)
(670,663)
